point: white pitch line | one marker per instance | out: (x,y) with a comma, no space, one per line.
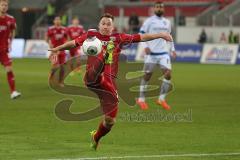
(156,156)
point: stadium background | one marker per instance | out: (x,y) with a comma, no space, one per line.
(204,84)
(189,18)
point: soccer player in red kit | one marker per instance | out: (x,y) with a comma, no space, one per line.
(102,69)
(7,32)
(75,30)
(57,35)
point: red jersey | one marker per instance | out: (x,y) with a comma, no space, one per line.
(7,25)
(115,41)
(75,31)
(57,35)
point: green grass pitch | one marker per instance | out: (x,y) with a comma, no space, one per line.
(29,129)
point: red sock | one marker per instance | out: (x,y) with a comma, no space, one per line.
(11,81)
(102,131)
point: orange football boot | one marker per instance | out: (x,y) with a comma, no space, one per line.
(163,103)
(142,104)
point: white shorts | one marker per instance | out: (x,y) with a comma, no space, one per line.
(163,61)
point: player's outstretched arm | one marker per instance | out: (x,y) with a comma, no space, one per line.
(149,37)
(66,46)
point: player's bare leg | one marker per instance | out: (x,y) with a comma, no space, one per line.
(61,75)
(77,70)
(62,61)
(53,71)
(104,127)
(141,100)
(58,62)
(11,81)
(78,63)
(165,88)
(53,59)
(72,67)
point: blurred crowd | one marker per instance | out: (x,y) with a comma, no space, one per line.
(54,8)
(231,38)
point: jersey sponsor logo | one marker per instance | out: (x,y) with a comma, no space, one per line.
(74,34)
(2,28)
(159,29)
(59,36)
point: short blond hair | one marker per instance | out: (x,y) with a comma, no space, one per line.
(4,1)
(107,15)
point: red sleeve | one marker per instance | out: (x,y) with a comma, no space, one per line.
(129,38)
(13,25)
(79,41)
(49,33)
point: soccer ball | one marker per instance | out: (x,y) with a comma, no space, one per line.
(92,46)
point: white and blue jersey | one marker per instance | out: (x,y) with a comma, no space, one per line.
(159,47)
(155,24)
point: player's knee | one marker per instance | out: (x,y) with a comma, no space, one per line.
(147,76)
(109,121)
(62,66)
(8,69)
(167,74)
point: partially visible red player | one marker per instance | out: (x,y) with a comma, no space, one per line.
(57,35)
(101,70)
(7,32)
(75,30)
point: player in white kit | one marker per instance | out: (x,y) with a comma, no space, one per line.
(157,53)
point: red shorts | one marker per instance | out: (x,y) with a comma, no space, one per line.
(103,85)
(74,52)
(113,113)
(58,59)
(4,58)
(106,91)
